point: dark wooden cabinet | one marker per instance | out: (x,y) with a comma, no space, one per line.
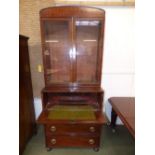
(72,48)
(27,126)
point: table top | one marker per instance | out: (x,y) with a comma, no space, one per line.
(125,109)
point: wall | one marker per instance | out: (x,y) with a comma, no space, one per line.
(118,65)
(29,23)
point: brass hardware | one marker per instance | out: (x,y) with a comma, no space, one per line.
(46,52)
(92,129)
(91,141)
(53,128)
(39,68)
(53,141)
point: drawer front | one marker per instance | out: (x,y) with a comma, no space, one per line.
(72,128)
(72,141)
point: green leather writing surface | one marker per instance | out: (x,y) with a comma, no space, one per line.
(69,112)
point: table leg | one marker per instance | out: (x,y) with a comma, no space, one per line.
(113,119)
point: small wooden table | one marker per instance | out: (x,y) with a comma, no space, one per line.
(124,108)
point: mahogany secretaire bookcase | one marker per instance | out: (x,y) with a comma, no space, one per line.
(72,100)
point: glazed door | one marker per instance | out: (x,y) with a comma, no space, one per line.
(88,42)
(57,46)
(72,50)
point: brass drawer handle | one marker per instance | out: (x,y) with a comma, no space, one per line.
(92,129)
(53,128)
(53,141)
(91,141)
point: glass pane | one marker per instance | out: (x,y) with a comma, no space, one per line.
(56,52)
(87,38)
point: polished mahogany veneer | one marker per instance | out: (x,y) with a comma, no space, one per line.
(124,108)
(72,49)
(27,125)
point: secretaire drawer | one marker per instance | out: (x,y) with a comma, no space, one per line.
(69,128)
(74,141)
